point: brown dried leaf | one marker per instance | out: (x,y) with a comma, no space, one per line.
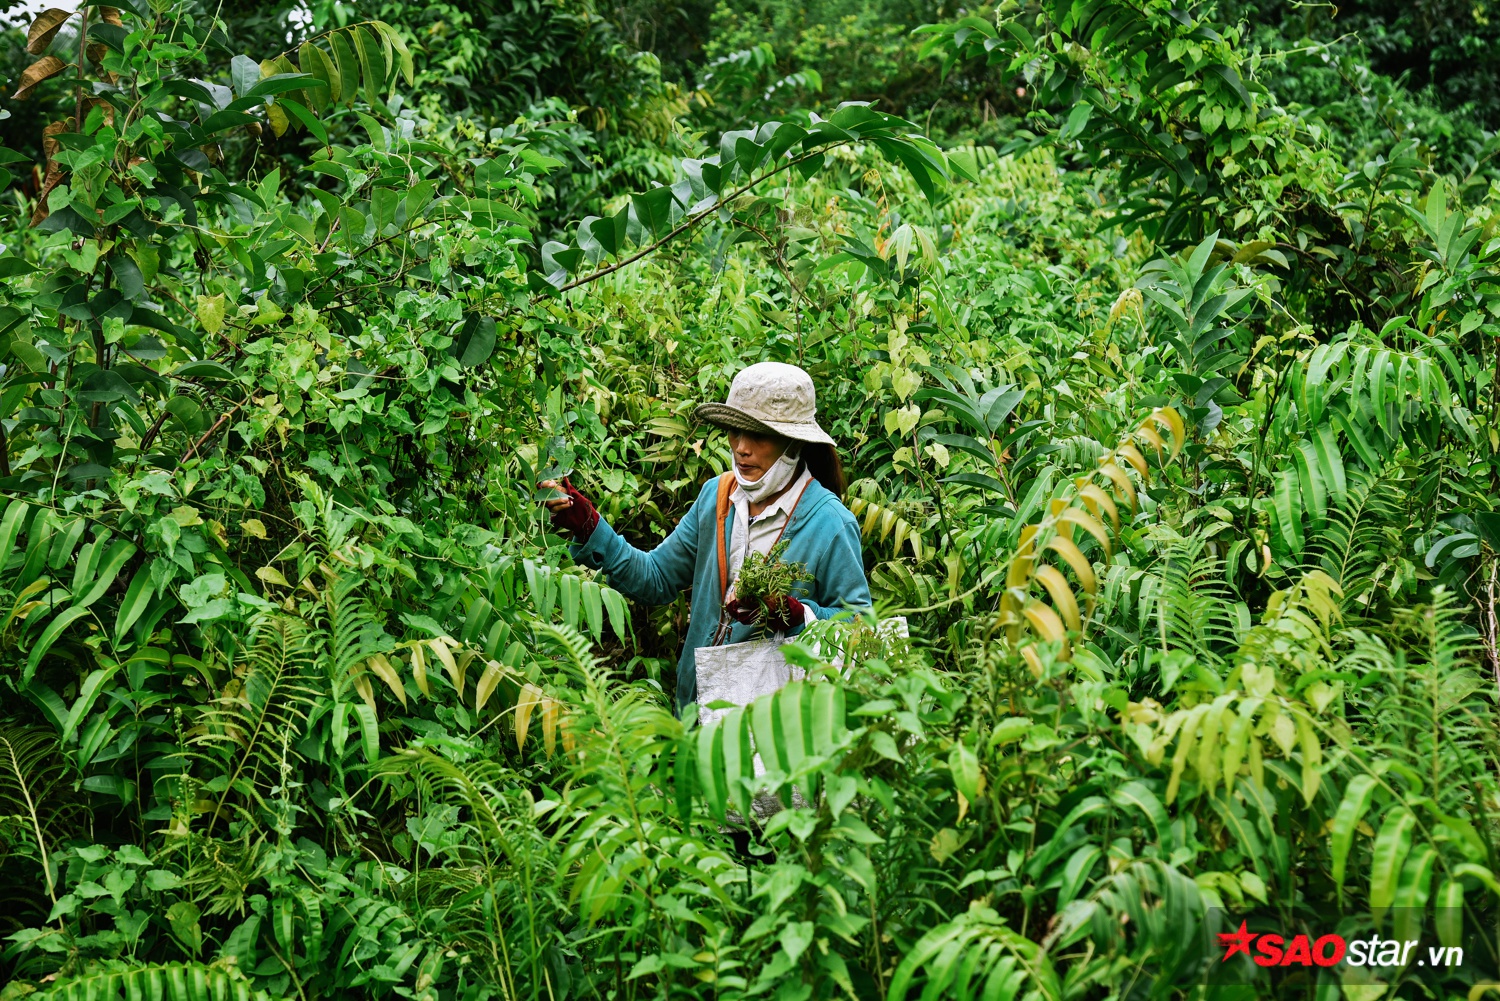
(50,146)
(44,29)
(42,69)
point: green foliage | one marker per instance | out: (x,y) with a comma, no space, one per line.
(1171,425)
(768,578)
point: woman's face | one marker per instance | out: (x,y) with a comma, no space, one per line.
(754,453)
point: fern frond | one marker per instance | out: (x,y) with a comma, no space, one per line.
(157,982)
(1191,607)
(36,793)
(572,647)
(1361,532)
(1426,705)
(477,786)
(253,729)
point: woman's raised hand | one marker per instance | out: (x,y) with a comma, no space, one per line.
(575,512)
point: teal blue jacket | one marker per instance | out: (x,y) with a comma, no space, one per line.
(821,533)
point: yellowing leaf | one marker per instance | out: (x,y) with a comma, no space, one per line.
(253,527)
(365,689)
(277,117)
(487,682)
(266,312)
(1097,500)
(1069,551)
(944,843)
(905,382)
(419,669)
(445,657)
(1088,524)
(1135,458)
(272,576)
(1149,433)
(1284,732)
(1046,623)
(1033,660)
(1173,422)
(382,669)
(186,516)
(550,712)
(1121,481)
(1062,596)
(210,313)
(530,696)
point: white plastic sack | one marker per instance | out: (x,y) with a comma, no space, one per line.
(740,673)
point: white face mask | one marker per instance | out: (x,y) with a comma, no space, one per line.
(773,480)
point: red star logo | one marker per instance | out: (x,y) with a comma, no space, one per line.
(1234,942)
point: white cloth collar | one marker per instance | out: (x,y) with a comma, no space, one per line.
(781,505)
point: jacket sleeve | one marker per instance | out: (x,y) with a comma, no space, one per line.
(654,577)
(841,586)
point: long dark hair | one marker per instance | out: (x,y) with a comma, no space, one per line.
(825,465)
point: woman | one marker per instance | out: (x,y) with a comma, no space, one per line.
(786,485)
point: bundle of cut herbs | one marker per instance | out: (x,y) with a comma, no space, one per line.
(766,581)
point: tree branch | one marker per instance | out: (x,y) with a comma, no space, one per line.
(693,220)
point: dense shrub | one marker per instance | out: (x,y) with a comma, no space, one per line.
(1171,429)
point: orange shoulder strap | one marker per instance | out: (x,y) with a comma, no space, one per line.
(721,511)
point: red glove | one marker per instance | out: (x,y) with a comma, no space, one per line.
(580,517)
(743,612)
(779,614)
(783,614)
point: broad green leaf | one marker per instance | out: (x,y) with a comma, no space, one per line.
(109,569)
(1391,847)
(371,64)
(570,592)
(827,717)
(369,729)
(763,726)
(619,615)
(403,54)
(49,636)
(593,609)
(1310,473)
(348,66)
(1351,811)
(791,747)
(710,761)
(963,763)
(10,528)
(137,598)
(1412,891)
(1136,793)
(1448,912)
(1288,510)
(87,695)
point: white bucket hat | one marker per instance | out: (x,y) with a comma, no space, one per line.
(769,398)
